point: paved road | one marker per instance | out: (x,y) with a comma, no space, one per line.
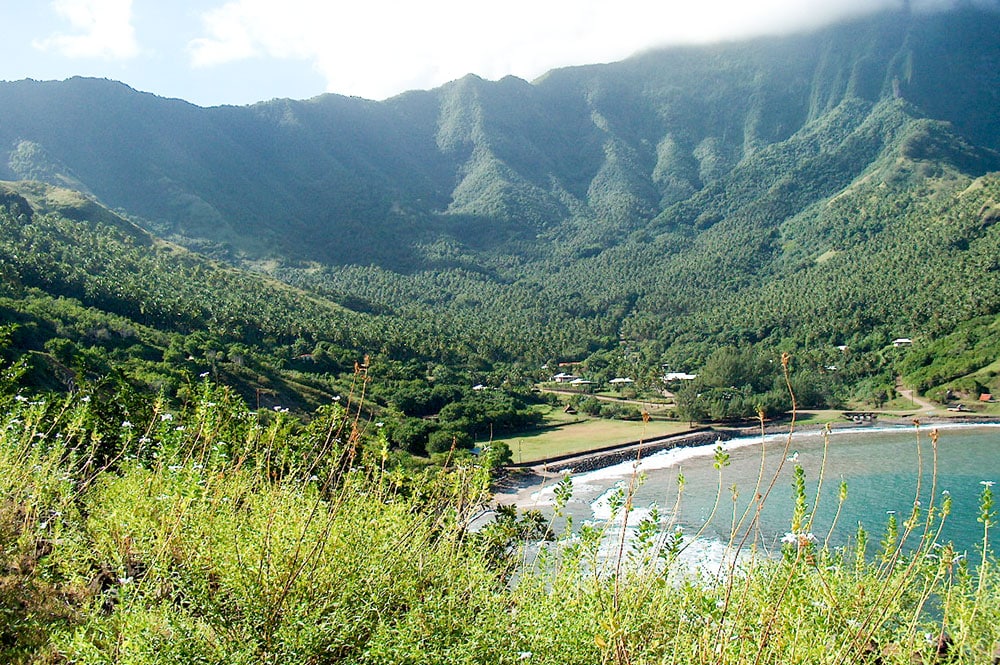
(914,398)
(616,400)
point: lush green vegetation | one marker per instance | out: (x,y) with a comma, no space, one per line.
(962,363)
(790,195)
(274,455)
(89,296)
(895,238)
(92,302)
(213,534)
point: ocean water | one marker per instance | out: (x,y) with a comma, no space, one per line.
(886,471)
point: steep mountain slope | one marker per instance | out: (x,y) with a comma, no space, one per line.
(677,201)
(93,305)
(591,151)
(89,298)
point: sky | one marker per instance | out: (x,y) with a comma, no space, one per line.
(214,52)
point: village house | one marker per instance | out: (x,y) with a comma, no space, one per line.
(563,377)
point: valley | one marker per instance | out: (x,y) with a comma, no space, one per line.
(261,367)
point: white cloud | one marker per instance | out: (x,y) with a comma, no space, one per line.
(381,47)
(101,29)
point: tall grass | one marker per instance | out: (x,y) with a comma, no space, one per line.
(213,534)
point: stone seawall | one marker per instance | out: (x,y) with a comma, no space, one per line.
(630,452)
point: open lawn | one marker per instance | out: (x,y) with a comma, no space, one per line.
(819,417)
(585,435)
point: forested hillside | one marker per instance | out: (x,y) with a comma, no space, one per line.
(802,193)
(90,297)
(245,353)
(93,305)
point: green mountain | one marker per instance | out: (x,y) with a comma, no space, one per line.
(805,192)
(90,301)
(404,271)
(592,151)
(91,304)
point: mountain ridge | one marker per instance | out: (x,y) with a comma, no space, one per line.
(670,203)
(607,144)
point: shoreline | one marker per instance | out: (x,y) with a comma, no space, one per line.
(534,476)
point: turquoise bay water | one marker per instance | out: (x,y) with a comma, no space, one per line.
(879,466)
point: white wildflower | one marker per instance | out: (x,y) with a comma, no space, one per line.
(800,539)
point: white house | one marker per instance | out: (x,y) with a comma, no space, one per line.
(563,377)
(679,376)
